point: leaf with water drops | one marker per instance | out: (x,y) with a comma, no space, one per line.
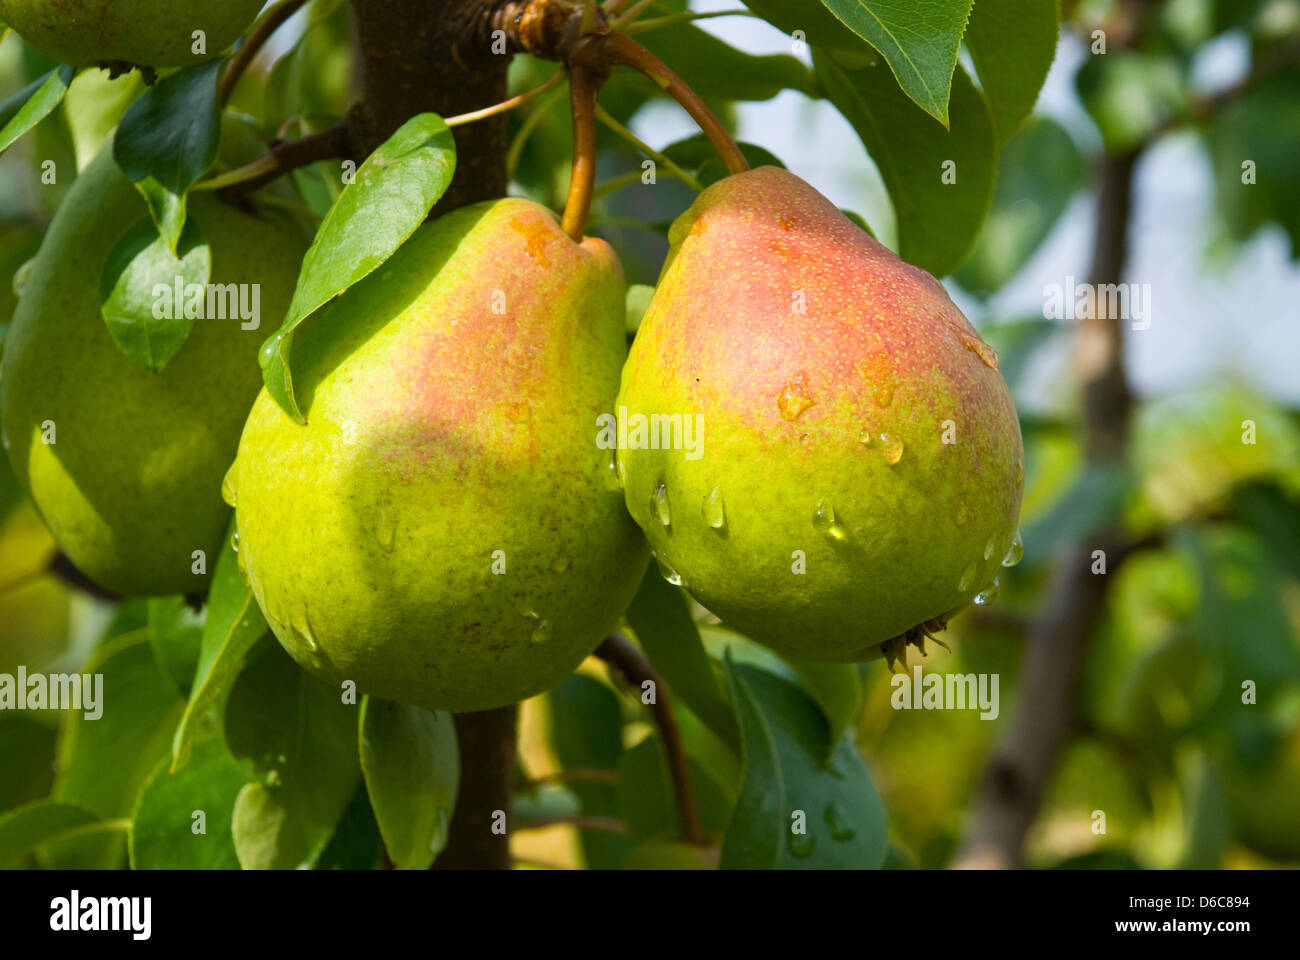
(411,763)
(302,741)
(393,192)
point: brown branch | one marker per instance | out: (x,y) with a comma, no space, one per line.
(620,654)
(253,45)
(1045,720)
(283,157)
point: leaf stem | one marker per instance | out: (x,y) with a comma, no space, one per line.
(256,40)
(609,121)
(464,118)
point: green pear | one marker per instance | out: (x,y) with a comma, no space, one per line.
(153,33)
(854,469)
(445,529)
(130,485)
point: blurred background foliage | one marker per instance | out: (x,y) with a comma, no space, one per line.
(1185,773)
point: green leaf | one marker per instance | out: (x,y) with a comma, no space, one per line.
(1129,94)
(168,139)
(27,746)
(637,302)
(698,156)
(647,803)
(139,292)
(301,737)
(32,104)
(1262,126)
(1095,500)
(175,633)
(813,23)
(1274,517)
(833,799)
(755,834)
(720,73)
(1013,43)
(937,221)
(104,762)
(356,842)
(660,616)
(166,831)
(837,688)
(231,628)
(1039,173)
(411,763)
(25,828)
(393,192)
(919,40)
(586,731)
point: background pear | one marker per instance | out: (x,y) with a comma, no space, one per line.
(154,33)
(862,466)
(132,484)
(445,530)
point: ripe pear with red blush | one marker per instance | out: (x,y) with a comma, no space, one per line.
(445,530)
(856,471)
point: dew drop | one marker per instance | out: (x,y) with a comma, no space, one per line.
(827,523)
(988,594)
(659,507)
(243,569)
(892,447)
(842,830)
(988,548)
(967,578)
(668,573)
(802,845)
(794,398)
(21,275)
(541,633)
(228,488)
(865,438)
(1014,552)
(714,510)
(883,393)
(622,473)
(613,472)
(304,632)
(234,541)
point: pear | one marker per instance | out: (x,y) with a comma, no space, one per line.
(445,529)
(855,472)
(124,465)
(154,33)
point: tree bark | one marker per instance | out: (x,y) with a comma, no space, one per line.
(417,56)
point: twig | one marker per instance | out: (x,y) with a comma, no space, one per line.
(608,120)
(283,157)
(464,118)
(619,653)
(65,570)
(253,45)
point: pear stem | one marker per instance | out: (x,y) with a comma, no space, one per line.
(620,654)
(584,85)
(256,40)
(618,48)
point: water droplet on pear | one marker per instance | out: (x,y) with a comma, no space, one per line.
(827,523)
(714,509)
(892,447)
(988,594)
(659,507)
(668,573)
(1015,552)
